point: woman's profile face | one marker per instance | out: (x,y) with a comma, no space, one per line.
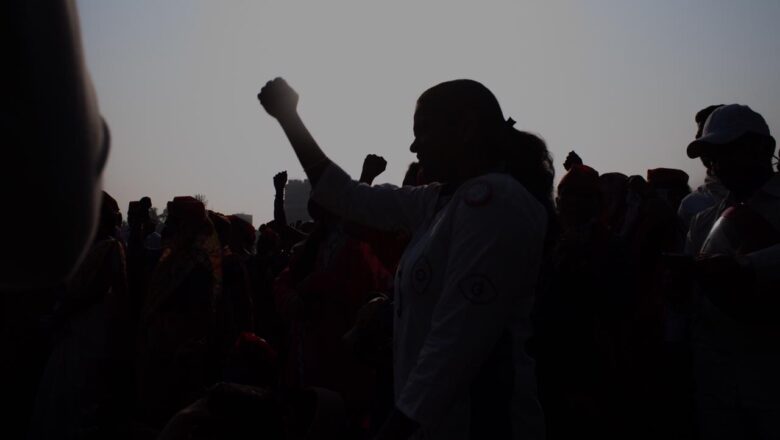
(436,144)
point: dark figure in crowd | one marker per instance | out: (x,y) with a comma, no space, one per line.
(712,192)
(86,389)
(670,184)
(614,190)
(319,296)
(141,258)
(465,286)
(735,331)
(289,235)
(56,144)
(178,345)
(235,303)
(582,316)
(572,159)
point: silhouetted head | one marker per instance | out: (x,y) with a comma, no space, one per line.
(186,220)
(134,214)
(242,236)
(460,132)
(579,197)
(614,187)
(110,218)
(737,143)
(670,184)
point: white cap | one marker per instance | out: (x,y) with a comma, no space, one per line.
(726,124)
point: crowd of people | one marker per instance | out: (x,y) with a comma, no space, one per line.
(472,301)
(601,321)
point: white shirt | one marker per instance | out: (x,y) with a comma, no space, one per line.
(466,280)
(766,202)
(732,370)
(705,196)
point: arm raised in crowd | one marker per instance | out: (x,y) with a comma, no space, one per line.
(55,142)
(281,102)
(373,166)
(280,182)
(381,207)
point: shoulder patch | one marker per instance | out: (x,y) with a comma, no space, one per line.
(478,289)
(478,193)
(421,275)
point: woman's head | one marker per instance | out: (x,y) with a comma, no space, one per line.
(460,133)
(450,121)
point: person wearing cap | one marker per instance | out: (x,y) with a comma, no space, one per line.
(736,359)
(465,285)
(712,191)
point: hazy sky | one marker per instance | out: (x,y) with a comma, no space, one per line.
(618,81)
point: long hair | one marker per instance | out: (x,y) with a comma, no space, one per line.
(524,155)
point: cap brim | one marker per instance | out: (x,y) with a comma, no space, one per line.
(704,143)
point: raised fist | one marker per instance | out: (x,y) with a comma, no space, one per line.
(373,166)
(280,181)
(278,98)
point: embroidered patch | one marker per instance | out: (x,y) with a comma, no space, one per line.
(478,194)
(478,289)
(421,275)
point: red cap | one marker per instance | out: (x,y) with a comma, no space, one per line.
(581,178)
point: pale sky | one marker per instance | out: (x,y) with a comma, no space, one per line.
(618,81)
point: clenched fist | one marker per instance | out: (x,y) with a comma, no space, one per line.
(280,181)
(278,98)
(373,166)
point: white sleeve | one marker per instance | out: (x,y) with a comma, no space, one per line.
(383,206)
(490,278)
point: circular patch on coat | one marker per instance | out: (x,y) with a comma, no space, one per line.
(478,194)
(421,275)
(478,289)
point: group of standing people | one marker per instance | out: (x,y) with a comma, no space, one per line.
(473,301)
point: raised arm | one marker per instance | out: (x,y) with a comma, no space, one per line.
(281,102)
(280,182)
(381,207)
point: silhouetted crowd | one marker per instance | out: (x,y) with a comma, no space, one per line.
(470,302)
(203,327)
